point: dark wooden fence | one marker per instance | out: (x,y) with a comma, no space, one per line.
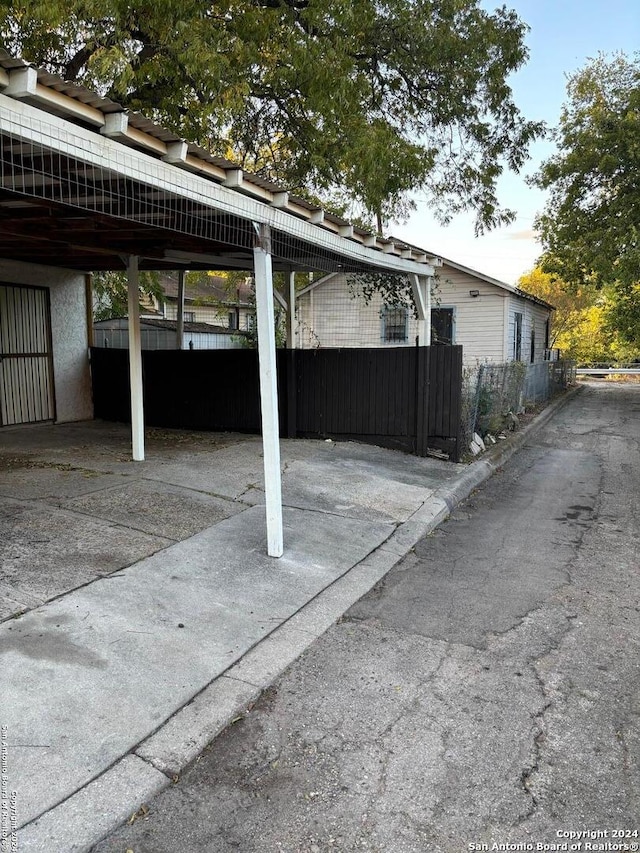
(402,397)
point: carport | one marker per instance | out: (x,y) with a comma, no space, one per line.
(87,186)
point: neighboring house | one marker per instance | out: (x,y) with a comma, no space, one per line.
(161,334)
(493,321)
(208,299)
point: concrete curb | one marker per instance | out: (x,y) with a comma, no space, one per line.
(89,815)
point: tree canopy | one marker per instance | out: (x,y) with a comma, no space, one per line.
(583,325)
(363,101)
(590,226)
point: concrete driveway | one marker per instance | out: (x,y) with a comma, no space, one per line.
(74,507)
(138,608)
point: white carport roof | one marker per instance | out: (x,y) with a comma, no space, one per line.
(88,186)
(63,147)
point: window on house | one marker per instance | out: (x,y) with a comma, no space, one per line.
(517,336)
(233,320)
(442,325)
(532,356)
(394,324)
(547,333)
(189,316)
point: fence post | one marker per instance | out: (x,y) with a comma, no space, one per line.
(292,394)
(456,415)
(180,311)
(476,403)
(423,356)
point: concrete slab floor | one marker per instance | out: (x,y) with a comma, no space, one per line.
(45,551)
(118,657)
(141,623)
(74,507)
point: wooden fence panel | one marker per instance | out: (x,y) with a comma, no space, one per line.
(445,403)
(360,393)
(402,397)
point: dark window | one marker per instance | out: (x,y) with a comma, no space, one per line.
(394,324)
(547,334)
(442,325)
(517,336)
(233,320)
(189,316)
(532,357)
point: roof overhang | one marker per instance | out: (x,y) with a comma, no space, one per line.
(73,195)
(510,288)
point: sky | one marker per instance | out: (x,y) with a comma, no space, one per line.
(564,34)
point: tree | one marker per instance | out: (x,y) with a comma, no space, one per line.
(590,225)
(570,303)
(368,101)
(582,326)
(111,289)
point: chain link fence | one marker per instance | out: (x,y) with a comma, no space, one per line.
(491,391)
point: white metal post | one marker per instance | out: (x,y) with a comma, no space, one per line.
(268,389)
(422,306)
(291,312)
(180,311)
(135,360)
(428,280)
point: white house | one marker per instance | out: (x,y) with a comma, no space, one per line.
(208,298)
(493,321)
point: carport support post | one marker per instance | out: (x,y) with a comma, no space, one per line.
(292,381)
(421,287)
(180,312)
(268,388)
(135,360)
(291,311)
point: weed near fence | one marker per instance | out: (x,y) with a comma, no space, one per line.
(490,391)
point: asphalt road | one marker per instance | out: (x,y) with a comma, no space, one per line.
(487,691)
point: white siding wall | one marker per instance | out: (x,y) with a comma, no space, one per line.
(533,317)
(328,316)
(479,320)
(210,314)
(72,380)
(116,336)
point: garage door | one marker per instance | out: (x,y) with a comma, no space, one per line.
(26,364)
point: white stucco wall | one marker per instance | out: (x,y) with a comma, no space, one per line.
(72,380)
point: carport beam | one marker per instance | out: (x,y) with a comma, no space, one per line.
(135,360)
(268,388)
